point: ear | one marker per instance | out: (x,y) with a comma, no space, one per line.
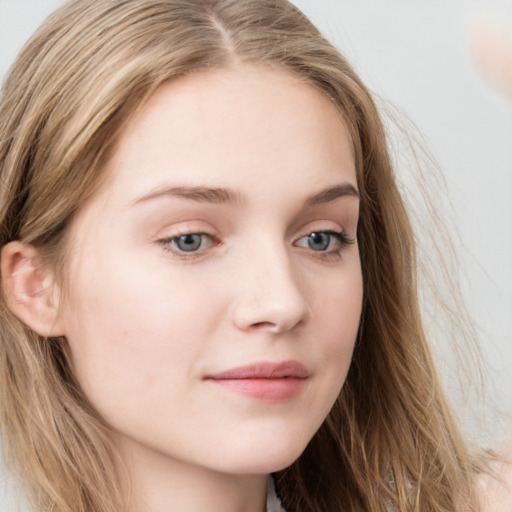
(30,288)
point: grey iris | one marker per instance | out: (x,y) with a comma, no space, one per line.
(188,243)
(319,241)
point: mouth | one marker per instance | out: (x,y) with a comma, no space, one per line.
(266,381)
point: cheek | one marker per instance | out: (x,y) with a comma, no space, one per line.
(134,326)
(338,317)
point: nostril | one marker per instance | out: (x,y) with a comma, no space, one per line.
(272,327)
(263,325)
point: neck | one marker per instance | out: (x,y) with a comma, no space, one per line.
(158,484)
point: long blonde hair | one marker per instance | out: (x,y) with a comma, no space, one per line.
(390,442)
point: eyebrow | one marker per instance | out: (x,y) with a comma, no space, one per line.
(216,195)
(332,193)
(199,194)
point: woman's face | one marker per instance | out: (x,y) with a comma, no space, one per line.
(215,286)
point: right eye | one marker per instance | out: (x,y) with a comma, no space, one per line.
(187,243)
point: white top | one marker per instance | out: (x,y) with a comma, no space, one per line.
(273,503)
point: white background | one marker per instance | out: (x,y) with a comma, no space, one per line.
(416,54)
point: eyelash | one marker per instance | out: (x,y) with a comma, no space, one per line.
(343,239)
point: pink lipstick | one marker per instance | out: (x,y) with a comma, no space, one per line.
(270,382)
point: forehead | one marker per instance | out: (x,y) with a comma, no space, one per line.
(249,124)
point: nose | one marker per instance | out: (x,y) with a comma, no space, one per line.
(271,294)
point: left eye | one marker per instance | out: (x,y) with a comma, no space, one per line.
(322,240)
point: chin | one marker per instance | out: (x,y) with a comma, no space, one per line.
(260,465)
(266,455)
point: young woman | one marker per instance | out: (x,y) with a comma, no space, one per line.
(208,274)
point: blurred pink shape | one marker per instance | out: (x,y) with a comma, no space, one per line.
(492,51)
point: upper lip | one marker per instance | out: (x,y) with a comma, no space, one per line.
(263,370)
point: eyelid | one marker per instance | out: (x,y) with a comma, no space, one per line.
(183,227)
(320,225)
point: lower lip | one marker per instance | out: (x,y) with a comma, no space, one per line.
(268,390)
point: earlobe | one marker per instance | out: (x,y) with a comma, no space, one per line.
(29,287)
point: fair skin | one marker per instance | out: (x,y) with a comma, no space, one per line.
(224,237)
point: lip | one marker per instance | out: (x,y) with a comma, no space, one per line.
(267,381)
